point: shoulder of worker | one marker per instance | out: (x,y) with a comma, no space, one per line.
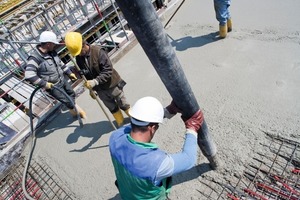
(124,130)
(36,57)
(36,54)
(53,53)
(98,49)
(95,47)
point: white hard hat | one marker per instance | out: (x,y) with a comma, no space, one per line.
(48,36)
(146,110)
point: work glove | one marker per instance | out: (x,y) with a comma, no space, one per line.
(194,122)
(49,85)
(73,77)
(92,94)
(171,110)
(91,83)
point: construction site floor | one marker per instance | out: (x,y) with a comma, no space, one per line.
(247,86)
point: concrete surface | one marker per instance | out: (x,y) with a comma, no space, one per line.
(246,84)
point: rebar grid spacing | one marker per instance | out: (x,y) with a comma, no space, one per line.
(41,183)
(273,174)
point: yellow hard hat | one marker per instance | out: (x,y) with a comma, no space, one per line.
(73,41)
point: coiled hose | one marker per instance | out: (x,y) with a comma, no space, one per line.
(33,141)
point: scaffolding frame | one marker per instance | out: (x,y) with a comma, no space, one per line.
(99,21)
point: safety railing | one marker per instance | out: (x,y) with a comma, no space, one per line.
(20,31)
(14,105)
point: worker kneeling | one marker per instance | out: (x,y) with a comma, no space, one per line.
(144,171)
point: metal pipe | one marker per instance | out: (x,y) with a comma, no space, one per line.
(104,23)
(174,14)
(149,31)
(17,50)
(11,112)
(9,65)
(10,89)
(20,42)
(10,43)
(119,19)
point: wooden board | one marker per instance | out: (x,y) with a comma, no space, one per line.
(21,91)
(12,117)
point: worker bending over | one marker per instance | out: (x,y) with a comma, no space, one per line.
(101,77)
(45,69)
(144,171)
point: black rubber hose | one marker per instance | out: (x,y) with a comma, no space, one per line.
(33,141)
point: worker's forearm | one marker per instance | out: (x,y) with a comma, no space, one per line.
(188,157)
(32,77)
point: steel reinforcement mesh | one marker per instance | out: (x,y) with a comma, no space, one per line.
(272,174)
(41,183)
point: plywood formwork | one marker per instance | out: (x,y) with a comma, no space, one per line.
(21,92)
(7,5)
(13,117)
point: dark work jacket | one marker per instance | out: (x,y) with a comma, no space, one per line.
(99,67)
(42,68)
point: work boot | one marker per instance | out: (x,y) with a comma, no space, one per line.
(119,118)
(223,31)
(229,25)
(73,112)
(214,162)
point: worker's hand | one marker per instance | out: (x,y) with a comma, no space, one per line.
(91,83)
(49,85)
(171,110)
(73,77)
(194,122)
(92,94)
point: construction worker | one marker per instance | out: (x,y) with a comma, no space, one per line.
(144,171)
(101,77)
(223,16)
(45,69)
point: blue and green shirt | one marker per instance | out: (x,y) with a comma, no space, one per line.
(144,171)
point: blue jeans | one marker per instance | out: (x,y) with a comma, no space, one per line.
(222,11)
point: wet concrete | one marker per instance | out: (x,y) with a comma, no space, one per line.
(246,83)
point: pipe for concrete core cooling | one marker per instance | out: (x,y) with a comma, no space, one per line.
(149,31)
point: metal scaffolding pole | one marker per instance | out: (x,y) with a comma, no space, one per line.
(119,19)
